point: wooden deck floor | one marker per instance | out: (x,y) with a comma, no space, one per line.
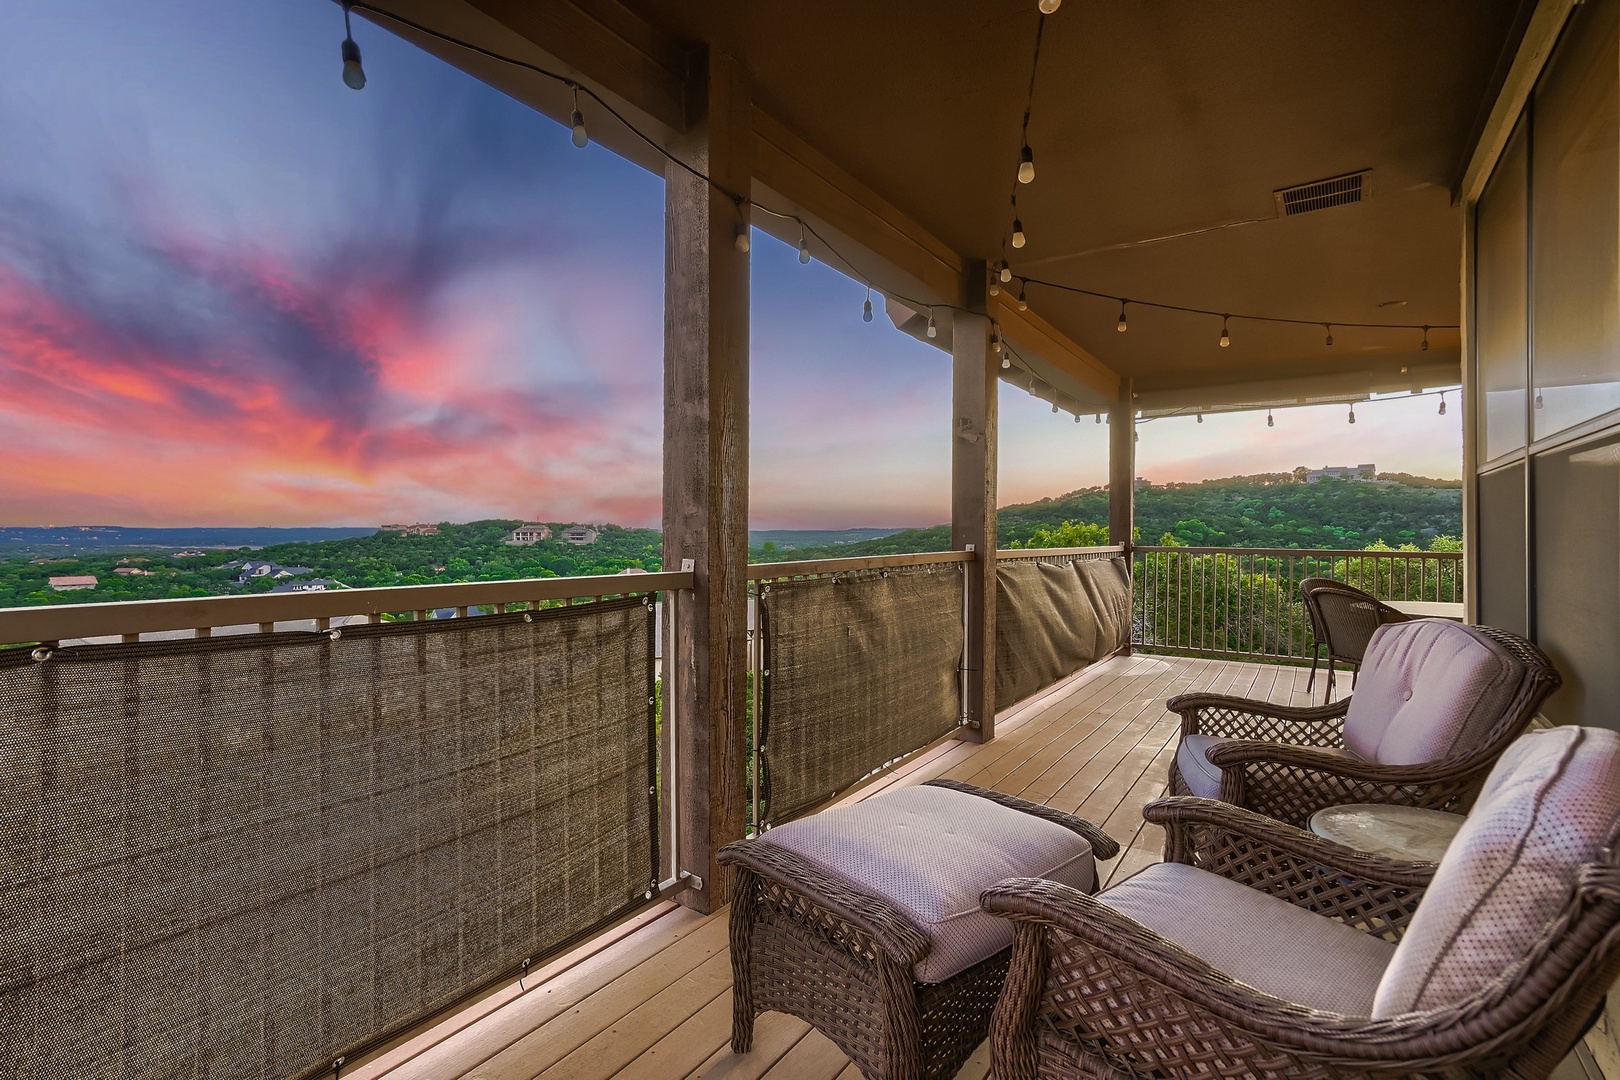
(654,1003)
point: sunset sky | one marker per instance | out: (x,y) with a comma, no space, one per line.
(235,292)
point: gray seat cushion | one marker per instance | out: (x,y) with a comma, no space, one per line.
(1428,690)
(1270,944)
(930,852)
(1550,805)
(1203,779)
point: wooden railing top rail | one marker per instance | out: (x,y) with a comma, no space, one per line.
(1046,553)
(1348,553)
(57,622)
(771,571)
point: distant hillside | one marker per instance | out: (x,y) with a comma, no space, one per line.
(788,539)
(1266,510)
(78,539)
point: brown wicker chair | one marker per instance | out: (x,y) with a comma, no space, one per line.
(807,943)
(1093,992)
(1343,621)
(1288,762)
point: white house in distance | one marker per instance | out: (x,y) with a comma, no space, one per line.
(579,534)
(73,581)
(1342,472)
(531,533)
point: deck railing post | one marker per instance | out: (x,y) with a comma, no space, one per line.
(706,461)
(975,380)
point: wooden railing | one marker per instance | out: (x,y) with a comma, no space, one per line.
(1245,602)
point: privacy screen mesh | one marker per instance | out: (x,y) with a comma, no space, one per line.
(244,857)
(1054,618)
(862,670)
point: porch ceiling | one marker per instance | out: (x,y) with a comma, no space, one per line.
(1150,120)
(1160,130)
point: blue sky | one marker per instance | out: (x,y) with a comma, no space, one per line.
(233,291)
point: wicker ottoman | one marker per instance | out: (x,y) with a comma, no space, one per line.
(864,921)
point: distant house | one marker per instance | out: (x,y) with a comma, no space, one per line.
(73,581)
(1342,472)
(524,535)
(189,553)
(1143,483)
(255,569)
(133,571)
(421,528)
(579,534)
(312,585)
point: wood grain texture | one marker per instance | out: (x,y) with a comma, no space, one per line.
(1122,466)
(975,380)
(706,468)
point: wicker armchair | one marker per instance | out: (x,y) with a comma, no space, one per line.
(1343,621)
(1093,991)
(1437,705)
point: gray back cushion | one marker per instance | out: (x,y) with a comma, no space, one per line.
(1550,805)
(1428,690)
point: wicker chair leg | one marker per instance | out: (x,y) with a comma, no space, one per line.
(742,934)
(1012,1028)
(902,1025)
(1316,658)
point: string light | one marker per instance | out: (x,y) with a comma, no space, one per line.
(1329,330)
(1425,346)
(742,237)
(995,286)
(1539,402)
(1077,418)
(1023,304)
(1006,271)
(1271,421)
(995,341)
(1006,362)
(804,246)
(1226,337)
(1442,403)
(933,331)
(1352,412)
(1049,6)
(1026,165)
(866,312)
(354,76)
(1099,418)
(1121,326)
(1200,418)
(1018,237)
(581,137)
(1054,408)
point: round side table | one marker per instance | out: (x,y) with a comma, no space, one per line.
(1397,832)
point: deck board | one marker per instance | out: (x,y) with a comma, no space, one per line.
(657,1003)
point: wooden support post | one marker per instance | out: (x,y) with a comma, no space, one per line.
(706,466)
(974,384)
(1122,466)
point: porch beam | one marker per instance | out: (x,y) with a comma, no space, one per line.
(975,381)
(706,468)
(1028,329)
(1122,466)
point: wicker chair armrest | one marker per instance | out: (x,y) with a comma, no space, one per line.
(1236,753)
(1244,718)
(1103,846)
(1372,893)
(886,924)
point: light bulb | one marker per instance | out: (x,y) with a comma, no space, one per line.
(995,344)
(1006,272)
(866,312)
(1054,408)
(582,138)
(1048,6)
(354,76)
(1200,418)
(1077,418)
(1018,237)
(1329,330)
(933,331)
(742,239)
(1226,338)
(1023,304)
(1539,402)
(1026,165)
(1270,420)
(995,287)
(1006,362)
(1425,346)
(1099,418)
(1442,404)
(804,247)
(1121,326)
(1352,414)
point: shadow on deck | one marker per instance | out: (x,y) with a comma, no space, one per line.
(653,999)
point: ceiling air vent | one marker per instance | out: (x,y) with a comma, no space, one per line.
(1324,194)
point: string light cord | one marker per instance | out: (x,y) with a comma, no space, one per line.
(1233,315)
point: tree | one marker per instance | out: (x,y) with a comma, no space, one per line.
(1068,534)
